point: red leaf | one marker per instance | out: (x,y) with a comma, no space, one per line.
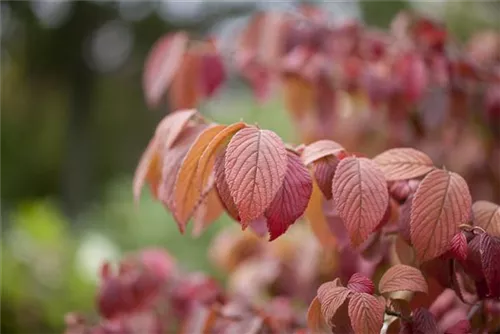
(320,149)
(473,263)
(402,278)
(487,216)
(162,64)
(331,298)
(255,166)
(458,247)
(360,196)
(423,322)
(223,188)
(324,171)
(212,73)
(442,202)
(366,313)
(403,163)
(360,283)
(490,259)
(291,200)
(185,91)
(461,327)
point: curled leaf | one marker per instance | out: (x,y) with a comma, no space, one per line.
(360,283)
(360,196)
(324,171)
(458,246)
(223,188)
(331,298)
(148,169)
(291,200)
(442,202)
(402,278)
(255,166)
(320,149)
(403,163)
(315,321)
(423,322)
(170,127)
(366,313)
(487,216)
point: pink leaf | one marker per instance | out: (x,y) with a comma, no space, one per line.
(487,216)
(366,313)
(324,171)
(360,196)
(403,163)
(461,327)
(360,283)
(212,73)
(402,278)
(458,247)
(291,200)
(320,149)
(331,298)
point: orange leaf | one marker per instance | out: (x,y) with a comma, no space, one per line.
(331,298)
(366,313)
(360,196)
(403,163)
(255,166)
(315,321)
(402,278)
(320,149)
(186,191)
(299,95)
(316,218)
(148,169)
(186,90)
(162,64)
(291,200)
(207,211)
(442,202)
(487,216)
(170,127)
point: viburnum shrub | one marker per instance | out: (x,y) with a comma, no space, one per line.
(399,244)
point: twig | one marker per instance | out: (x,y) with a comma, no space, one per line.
(397,314)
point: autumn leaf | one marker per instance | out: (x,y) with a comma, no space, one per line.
(207,211)
(324,171)
(403,163)
(292,198)
(487,216)
(170,127)
(255,166)
(316,218)
(148,169)
(461,327)
(442,202)
(366,313)
(186,192)
(458,246)
(163,62)
(423,322)
(360,196)
(315,321)
(490,259)
(212,72)
(185,90)
(331,298)
(360,283)
(402,278)
(223,189)
(320,149)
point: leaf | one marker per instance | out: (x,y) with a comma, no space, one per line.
(170,127)
(161,65)
(402,278)
(148,169)
(360,196)
(207,211)
(324,171)
(458,246)
(291,200)
(442,202)
(405,219)
(424,322)
(331,298)
(212,70)
(255,166)
(205,162)
(320,149)
(315,321)
(185,91)
(461,327)
(490,259)
(487,216)
(403,163)
(317,221)
(360,283)
(186,192)
(366,313)
(223,189)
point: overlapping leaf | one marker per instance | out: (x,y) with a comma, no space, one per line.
(402,278)
(331,298)
(487,216)
(403,163)
(292,198)
(366,313)
(324,171)
(222,187)
(315,321)
(185,89)
(490,259)
(442,202)
(169,129)
(255,166)
(360,196)
(360,283)
(317,221)
(458,246)
(320,149)
(148,170)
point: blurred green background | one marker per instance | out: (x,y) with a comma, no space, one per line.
(74,124)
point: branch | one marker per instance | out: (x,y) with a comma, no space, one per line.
(398,314)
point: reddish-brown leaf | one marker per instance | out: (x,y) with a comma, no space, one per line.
(405,219)
(223,189)
(458,246)
(291,200)
(424,322)
(315,321)
(162,64)
(442,202)
(255,166)
(490,259)
(403,163)
(185,91)
(170,127)
(487,216)
(360,196)
(402,278)
(324,171)
(320,149)
(186,192)
(360,283)
(331,298)
(212,72)
(366,313)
